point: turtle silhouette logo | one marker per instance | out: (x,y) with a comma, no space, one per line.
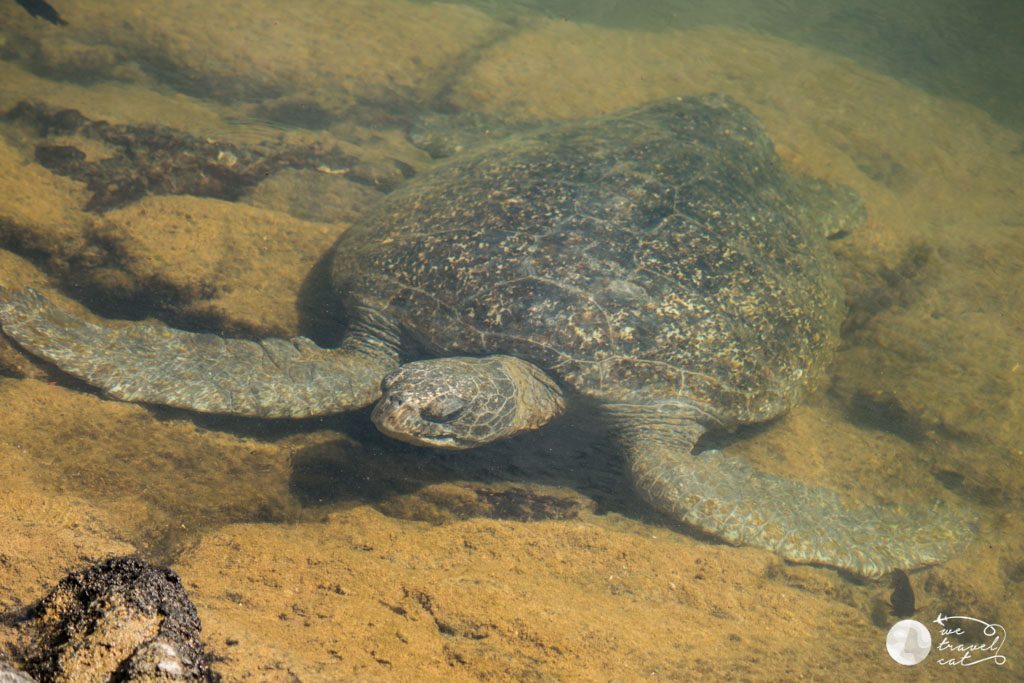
(908,642)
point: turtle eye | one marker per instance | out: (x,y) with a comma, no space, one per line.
(443,409)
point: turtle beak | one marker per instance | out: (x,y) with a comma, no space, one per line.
(402,419)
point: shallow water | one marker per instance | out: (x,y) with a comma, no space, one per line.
(320,550)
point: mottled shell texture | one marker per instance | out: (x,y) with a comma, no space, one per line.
(658,253)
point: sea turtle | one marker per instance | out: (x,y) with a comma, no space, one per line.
(660,261)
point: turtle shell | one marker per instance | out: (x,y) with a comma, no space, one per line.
(655,254)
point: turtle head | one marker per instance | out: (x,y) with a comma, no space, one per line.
(465,402)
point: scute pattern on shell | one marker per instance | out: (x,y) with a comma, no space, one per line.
(658,253)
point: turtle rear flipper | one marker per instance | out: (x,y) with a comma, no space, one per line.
(153,363)
(728,498)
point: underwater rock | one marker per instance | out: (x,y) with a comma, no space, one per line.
(934,347)
(159,160)
(313,196)
(334,54)
(122,619)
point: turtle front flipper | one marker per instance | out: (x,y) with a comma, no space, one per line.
(730,499)
(152,363)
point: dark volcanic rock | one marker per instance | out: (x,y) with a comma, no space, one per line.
(120,620)
(159,160)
